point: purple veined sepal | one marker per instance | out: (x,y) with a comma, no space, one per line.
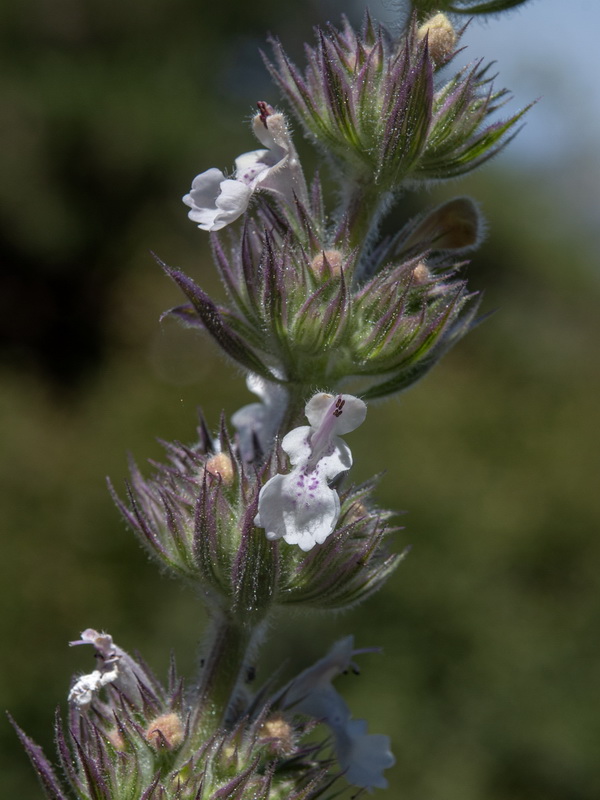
(381,113)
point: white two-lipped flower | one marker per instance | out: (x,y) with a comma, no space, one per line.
(86,686)
(114,666)
(215,200)
(362,756)
(300,507)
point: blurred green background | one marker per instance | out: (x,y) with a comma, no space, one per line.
(488,685)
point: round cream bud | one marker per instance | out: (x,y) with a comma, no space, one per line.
(165,731)
(280,734)
(327,263)
(441,38)
(421,273)
(355,512)
(222,466)
(228,753)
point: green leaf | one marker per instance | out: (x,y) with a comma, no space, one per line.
(491,7)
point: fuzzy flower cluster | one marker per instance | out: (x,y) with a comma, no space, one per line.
(208,517)
(153,731)
(314,297)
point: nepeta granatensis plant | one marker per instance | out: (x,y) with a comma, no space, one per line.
(257,514)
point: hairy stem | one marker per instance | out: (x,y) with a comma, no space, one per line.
(228,645)
(363,209)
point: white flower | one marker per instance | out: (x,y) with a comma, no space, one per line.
(362,756)
(85,687)
(259,422)
(114,666)
(301,507)
(215,200)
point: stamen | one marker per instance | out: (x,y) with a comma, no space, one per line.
(339,406)
(264,110)
(321,438)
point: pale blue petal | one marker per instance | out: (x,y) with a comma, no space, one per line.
(321,673)
(363,756)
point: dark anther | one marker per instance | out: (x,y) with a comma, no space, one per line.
(265,111)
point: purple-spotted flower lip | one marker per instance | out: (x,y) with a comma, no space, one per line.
(300,507)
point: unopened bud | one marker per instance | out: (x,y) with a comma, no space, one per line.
(441,38)
(222,466)
(229,756)
(278,731)
(356,511)
(165,731)
(421,273)
(327,263)
(373,52)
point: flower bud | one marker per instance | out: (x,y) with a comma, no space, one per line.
(441,38)
(279,733)
(327,263)
(116,739)
(372,104)
(165,731)
(221,465)
(421,273)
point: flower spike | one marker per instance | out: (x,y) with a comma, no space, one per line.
(314,296)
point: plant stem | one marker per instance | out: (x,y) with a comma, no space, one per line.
(363,209)
(228,644)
